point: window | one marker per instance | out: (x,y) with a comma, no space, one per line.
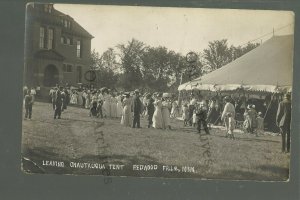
(42,37)
(65,23)
(78,49)
(62,40)
(47,8)
(68,41)
(50,38)
(67,68)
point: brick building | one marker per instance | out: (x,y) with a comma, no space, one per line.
(57,48)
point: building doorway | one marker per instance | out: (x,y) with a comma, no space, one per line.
(51,76)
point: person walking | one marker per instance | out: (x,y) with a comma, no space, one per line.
(28,102)
(58,103)
(137,109)
(228,108)
(283,121)
(52,95)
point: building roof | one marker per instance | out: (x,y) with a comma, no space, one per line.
(36,11)
(265,68)
(76,27)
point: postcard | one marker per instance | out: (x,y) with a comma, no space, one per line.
(157,92)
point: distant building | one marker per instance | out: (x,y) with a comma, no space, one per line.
(57,48)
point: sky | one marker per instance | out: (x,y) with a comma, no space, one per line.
(179,29)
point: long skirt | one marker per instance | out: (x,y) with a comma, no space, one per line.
(165,117)
(106,109)
(126,117)
(119,109)
(87,102)
(174,112)
(113,110)
(79,100)
(157,119)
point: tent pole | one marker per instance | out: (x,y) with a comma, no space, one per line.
(269,105)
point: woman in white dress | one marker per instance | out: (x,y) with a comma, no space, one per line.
(126,115)
(106,105)
(88,99)
(166,105)
(175,110)
(73,97)
(79,98)
(157,116)
(119,106)
(113,107)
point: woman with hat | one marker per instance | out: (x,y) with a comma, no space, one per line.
(106,104)
(165,111)
(157,116)
(113,106)
(119,106)
(126,115)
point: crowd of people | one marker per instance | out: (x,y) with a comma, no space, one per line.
(159,108)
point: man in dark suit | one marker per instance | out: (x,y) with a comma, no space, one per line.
(150,111)
(58,103)
(283,121)
(137,109)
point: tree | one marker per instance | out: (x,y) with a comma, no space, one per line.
(219,54)
(104,67)
(131,63)
(238,51)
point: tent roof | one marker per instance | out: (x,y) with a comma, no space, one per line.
(265,68)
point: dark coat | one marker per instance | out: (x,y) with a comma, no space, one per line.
(59,97)
(136,105)
(150,107)
(283,117)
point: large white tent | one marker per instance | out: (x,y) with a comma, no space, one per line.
(267,68)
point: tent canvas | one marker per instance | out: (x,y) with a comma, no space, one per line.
(267,68)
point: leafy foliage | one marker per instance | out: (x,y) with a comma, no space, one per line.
(136,65)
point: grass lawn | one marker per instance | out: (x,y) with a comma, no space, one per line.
(79,138)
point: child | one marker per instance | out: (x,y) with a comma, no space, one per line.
(99,109)
(231,127)
(185,114)
(260,124)
(93,110)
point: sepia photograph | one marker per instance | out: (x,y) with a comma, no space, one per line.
(157,92)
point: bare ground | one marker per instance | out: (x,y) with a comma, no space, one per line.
(79,138)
